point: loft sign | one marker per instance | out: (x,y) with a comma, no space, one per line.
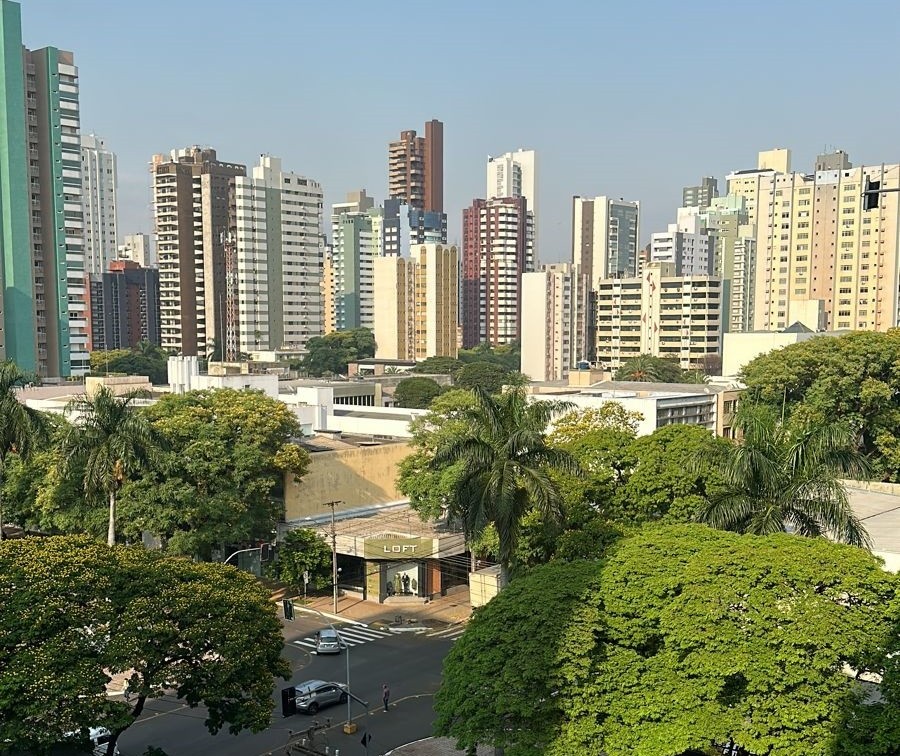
(397,548)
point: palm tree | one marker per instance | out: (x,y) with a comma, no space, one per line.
(649,369)
(507,461)
(112,440)
(21,428)
(782,478)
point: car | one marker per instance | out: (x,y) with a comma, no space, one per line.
(328,641)
(313,695)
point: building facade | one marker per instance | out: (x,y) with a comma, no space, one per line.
(556,328)
(514,174)
(605,237)
(137,248)
(275,275)
(498,247)
(193,204)
(702,195)
(99,186)
(822,258)
(418,304)
(688,244)
(124,306)
(416,168)
(43,289)
(659,313)
(352,271)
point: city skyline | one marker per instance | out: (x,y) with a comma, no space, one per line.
(242,111)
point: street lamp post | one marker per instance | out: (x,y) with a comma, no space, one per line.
(334,567)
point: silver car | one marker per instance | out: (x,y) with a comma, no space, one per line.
(313,695)
(328,642)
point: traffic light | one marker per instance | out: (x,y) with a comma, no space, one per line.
(871,194)
(288,606)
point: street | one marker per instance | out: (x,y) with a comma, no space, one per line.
(409,663)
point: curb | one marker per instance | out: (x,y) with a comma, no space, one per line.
(329,615)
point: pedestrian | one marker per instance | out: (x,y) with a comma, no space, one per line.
(385,695)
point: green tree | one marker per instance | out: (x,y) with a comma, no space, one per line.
(485,375)
(507,462)
(330,354)
(693,376)
(112,441)
(73,612)
(508,356)
(143,359)
(416,393)
(438,366)
(682,636)
(302,551)
(22,429)
(646,368)
(853,379)
(220,478)
(784,476)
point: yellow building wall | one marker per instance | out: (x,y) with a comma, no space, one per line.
(356,477)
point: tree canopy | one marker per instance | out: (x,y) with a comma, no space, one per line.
(508,356)
(438,366)
(73,612)
(330,354)
(218,479)
(649,369)
(490,376)
(682,636)
(302,551)
(416,393)
(143,359)
(854,378)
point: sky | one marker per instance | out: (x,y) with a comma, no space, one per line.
(632,99)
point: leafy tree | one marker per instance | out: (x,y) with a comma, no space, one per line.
(22,429)
(508,356)
(73,612)
(330,354)
(302,551)
(852,378)
(216,482)
(784,476)
(485,375)
(438,366)
(649,369)
(142,359)
(506,461)
(693,376)
(416,393)
(683,636)
(112,441)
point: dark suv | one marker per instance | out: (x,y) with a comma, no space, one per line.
(313,695)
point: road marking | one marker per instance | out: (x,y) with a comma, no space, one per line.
(352,636)
(450,633)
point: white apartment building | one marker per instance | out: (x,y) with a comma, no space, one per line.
(514,174)
(659,313)
(137,248)
(279,248)
(555,328)
(687,244)
(821,258)
(98,181)
(418,303)
(605,237)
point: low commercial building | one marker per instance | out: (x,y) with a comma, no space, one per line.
(740,348)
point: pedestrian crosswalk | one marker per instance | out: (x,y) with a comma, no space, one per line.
(450,633)
(354,635)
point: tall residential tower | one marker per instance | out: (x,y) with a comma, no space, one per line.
(98,169)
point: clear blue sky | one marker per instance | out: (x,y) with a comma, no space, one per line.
(632,99)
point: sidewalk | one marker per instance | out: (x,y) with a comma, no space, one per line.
(435,747)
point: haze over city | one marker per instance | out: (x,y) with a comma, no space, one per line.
(630,100)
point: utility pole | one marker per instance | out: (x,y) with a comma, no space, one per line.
(334,569)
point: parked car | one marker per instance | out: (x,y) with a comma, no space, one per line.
(313,695)
(328,641)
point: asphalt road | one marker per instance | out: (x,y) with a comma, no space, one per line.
(409,663)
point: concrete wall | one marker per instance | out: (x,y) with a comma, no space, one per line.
(357,477)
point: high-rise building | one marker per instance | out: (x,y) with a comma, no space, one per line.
(124,306)
(193,205)
(556,332)
(514,174)
(327,288)
(702,194)
(687,243)
(274,295)
(137,248)
(498,247)
(822,258)
(352,262)
(605,237)
(659,313)
(43,292)
(416,168)
(418,303)
(99,184)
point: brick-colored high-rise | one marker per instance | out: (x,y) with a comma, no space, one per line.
(416,168)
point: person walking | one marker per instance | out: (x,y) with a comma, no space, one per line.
(385,695)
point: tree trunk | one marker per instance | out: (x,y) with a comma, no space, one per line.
(504,575)
(114,736)
(1,513)
(111,534)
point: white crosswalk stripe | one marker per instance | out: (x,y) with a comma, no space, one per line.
(352,636)
(450,633)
